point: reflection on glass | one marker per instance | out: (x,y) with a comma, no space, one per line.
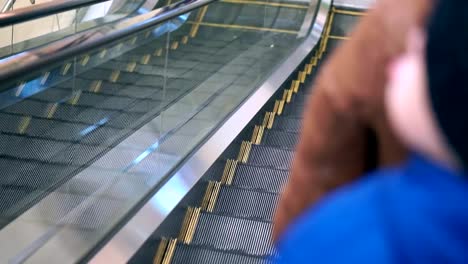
(100,131)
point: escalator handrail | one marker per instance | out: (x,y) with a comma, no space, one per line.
(21,15)
(26,62)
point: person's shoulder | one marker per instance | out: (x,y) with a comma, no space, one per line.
(346,226)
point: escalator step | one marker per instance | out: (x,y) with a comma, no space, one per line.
(280,139)
(287,124)
(195,254)
(234,234)
(255,177)
(295,112)
(271,157)
(246,203)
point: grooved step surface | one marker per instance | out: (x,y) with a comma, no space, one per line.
(246,203)
(288,124)
(271,157)
(280,139)
(192,254)
(256,177)
(230,233)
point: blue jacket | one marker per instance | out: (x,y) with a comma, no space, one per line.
(417,213)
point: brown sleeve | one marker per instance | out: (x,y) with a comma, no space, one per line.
(346,108)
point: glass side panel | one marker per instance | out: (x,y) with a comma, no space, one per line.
(30,34)
(84,142)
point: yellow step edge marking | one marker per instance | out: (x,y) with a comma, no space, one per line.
(303,75)
(103,53)
(285,94)
(271,120)
(119,46)
(51,109)
(75,98)
(265,3)
(348,12)
(174,45)
(184,40)
(45,77)
(232,172)
(95,86)
(253,138)
(214,196)
(192,225)
(275,107)
(185,224)
(309,69)
(248,147)
(246,27)
(261,130)
(314,61)
(198,19)
(85,60)
(131,66)
(338,37)
(289,96)
(24,124)
(281,107)
(20,88)
(158,52)
(114,76)
(206,197)
(145,59)
(169,251)
(147,34)
(265,119)
(133,40)
(240,157)
(227,167)
(159,256)
(66,68)
(295,86)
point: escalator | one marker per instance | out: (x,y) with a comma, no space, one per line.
(227,216)
(86,140)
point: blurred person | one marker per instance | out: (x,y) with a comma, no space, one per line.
(345,129)
(417,212)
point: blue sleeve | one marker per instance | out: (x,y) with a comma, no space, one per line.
(347,227)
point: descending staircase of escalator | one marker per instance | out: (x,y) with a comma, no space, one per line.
(227,216)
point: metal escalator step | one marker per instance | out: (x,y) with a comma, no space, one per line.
(295,110)
(195,254)
(287,124)
(280,138)
(222,232)
(255,177)
(270,157)
(252,204)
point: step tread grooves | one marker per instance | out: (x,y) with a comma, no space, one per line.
(246,203)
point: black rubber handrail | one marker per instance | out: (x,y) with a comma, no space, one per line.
(42,10)
(29,61)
